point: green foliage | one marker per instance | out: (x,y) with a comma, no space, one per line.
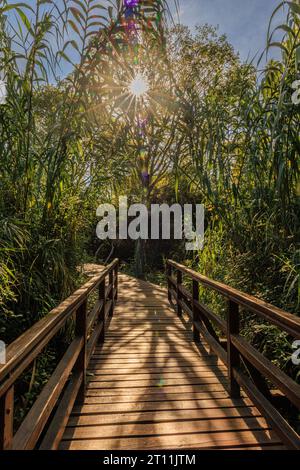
(54,157)
(216,134)
(243,144)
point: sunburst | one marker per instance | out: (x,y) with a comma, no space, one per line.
(139,86)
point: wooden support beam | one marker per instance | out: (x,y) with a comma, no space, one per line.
(81,329)
(116,286)
(111,292)
(168,275)
(178,292)
(102,297)
(6,419)
(196,318)
(233,355)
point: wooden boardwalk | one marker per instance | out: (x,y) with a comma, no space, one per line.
(151,387)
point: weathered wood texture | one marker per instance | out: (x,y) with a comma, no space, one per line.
(151,387)
(69,377)
(235,351)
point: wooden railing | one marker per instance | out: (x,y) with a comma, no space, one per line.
(247,367)
(45,422)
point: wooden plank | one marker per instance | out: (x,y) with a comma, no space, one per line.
(161,391)
(147,328)
(162,356)
(151,387)
(147,356)
(120,378)
(128,354)
(265,447)
(148,347)
(160,416)
(199,441)
(166,405)
(158,382)
(161,428)
(149,363)
(158,397)
(156,371)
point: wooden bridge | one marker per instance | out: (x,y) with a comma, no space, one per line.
(151,368)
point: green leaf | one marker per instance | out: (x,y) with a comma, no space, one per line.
(25,20)
(295,7)
(74,27)
(14,6)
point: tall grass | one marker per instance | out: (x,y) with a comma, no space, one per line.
(243,142)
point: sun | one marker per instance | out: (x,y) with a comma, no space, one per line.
(139,86)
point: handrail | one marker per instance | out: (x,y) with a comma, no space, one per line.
(89,329)
(287,321)
(247,367)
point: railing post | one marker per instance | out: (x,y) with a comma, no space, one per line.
(111,293)
(6,419)
(116,281)
(233,356)
(102,311)
(178,292)
(81,364)
(169,274)
(196,334)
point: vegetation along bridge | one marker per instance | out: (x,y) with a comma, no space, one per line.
(138,375)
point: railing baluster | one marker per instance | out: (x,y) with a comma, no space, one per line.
(233,356)
(102,311)
(168,275)
(196,334)
(6,419)
(111,291)
(116,281)
(81,363)
(179,295)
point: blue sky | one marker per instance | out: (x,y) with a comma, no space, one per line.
(245,22)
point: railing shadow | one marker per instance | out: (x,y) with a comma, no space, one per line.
(177,377)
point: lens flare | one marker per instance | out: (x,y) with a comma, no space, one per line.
(131,3)
(139,86)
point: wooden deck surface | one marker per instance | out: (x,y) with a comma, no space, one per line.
(151,387)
